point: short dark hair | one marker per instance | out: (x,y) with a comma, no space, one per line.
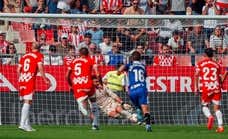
(88,35)
(84,51)
(209,52)
(136,56)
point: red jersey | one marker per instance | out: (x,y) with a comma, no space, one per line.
(209,73)
(29,68)
(163,60)
(81,76)
(67,60)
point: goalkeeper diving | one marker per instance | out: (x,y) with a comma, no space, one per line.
(111,104)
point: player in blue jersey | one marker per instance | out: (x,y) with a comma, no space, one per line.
(137,85)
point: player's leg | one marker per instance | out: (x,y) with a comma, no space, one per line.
(205,101)
(95,112)
(25,111)
(143,102)
(82,100)
(217,103)
(124,113)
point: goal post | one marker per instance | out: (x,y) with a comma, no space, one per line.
(170,81)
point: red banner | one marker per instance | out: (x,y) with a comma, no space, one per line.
(160,79)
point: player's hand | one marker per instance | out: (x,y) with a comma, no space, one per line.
(126,106)
(47,81)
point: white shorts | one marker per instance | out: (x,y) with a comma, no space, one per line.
(26,97)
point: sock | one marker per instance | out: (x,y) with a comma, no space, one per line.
(95,111)
(126,114)
(24,113)
(219,118)
(206,111)
(147,118)
(139,114)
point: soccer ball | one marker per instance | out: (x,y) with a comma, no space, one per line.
(134,118)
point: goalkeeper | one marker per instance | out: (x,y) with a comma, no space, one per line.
(111,104)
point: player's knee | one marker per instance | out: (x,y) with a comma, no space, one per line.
(82,109)
(205,105)
(119,109)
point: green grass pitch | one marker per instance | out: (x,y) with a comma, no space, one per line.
(111,132)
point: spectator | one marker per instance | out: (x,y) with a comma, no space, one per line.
(161,7)
(196,6)
(62,47)
(30,6)
(134,10)
(94,6)
(41,7)
(11,57)
(165,58)
(63,6)
(53,58)
(177,7)
(149,6)
(87,41)
(52,6)
(225,40)
(75,7)
(216,39)
(96,55)
(114,56)
(12,6)
(70,56)
(145,54)
(123,37)
(176,42)
(106,45)
(44,49)
(75,38)
(198,39)
(111,7)
(97,35)
(210,9)
(3,43)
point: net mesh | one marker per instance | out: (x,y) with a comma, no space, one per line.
(170,77)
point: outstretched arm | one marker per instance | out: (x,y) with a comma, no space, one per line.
(42,73)
(121,69)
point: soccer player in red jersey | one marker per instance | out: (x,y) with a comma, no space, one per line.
(208,74)
(79,77)
(30,64)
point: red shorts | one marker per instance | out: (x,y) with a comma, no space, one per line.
(26,88)
(207,98)
(83,92)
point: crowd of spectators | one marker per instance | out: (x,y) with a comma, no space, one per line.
(110,45)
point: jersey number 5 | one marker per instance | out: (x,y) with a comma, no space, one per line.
(77,69)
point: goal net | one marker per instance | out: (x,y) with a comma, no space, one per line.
(171,46)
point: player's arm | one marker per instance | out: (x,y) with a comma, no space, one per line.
(19,69)
(68,73)
(95,69)
(42,73)
(224,75)
(196,81)
(121,69)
